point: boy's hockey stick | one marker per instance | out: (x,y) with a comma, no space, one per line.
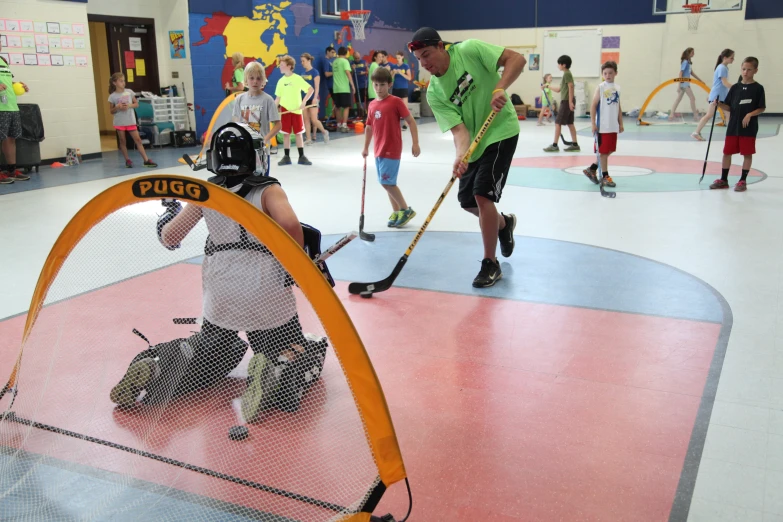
(195,166)
(709,141)
(365,236)
(367,289)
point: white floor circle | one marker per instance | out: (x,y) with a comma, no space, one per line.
(615,172)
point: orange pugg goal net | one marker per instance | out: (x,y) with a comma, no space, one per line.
(217,379)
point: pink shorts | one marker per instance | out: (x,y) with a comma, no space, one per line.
(126,128)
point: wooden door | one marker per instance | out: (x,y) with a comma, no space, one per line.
(129,44)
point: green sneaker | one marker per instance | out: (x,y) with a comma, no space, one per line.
(573,148)
(393,219)
(552,148)
(261,385)
(137,376)
(405,216)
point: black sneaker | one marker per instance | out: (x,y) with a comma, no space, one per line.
(285,161)
(304,161)
(506,236)
(488,275)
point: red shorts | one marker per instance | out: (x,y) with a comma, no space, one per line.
(126,128)
(292,123)
(744,145)
(607,143)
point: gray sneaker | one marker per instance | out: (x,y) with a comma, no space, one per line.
(573,148)
(136,378)
(285,161)
(552,148)
(326,136)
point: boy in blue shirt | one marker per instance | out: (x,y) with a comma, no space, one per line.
(361,76)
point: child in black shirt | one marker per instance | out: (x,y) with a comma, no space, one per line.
(745,101)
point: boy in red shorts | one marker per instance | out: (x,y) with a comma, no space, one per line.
(607,117)
(745,101)
(288,94)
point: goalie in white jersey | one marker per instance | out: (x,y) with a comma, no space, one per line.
(244,289)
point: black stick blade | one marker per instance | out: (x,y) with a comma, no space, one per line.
(379,286)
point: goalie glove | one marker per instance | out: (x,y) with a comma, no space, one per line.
(312,245)
(173,207)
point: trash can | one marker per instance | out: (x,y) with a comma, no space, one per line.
(28,147)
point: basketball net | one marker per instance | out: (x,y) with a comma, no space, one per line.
(359,20)
(694,16)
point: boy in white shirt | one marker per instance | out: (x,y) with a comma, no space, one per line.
(607,118)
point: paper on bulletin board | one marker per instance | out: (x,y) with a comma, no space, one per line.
(141,68)
(129,75)
(614,57)
(130,60)
(134,43)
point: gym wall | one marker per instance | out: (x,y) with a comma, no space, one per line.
(220,28)
(650,46)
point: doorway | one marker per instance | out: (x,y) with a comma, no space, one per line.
(126,45)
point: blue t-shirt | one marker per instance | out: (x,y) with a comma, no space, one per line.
(399,81)
(686,69)
(310,76)
(328,68)
(361,74)
(718,89)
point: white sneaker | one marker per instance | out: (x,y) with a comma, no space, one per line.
(696,136)
(326,136)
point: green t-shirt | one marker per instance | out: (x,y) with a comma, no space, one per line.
(370,87)
(8,96)
(239,77)
(464,93)
(567,78)
(339,68)
(289,89)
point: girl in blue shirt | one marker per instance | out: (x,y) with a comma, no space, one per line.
(686,61)
(720,88)
(311,122)
(402,75)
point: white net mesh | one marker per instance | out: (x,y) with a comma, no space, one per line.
(693,21)
(359,20)
(106,428)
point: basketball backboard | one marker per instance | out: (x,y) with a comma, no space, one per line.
(666,7)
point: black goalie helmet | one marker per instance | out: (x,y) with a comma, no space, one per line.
(237,150)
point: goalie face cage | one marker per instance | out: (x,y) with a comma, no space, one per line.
(281,359)
(694,15)
(359,19)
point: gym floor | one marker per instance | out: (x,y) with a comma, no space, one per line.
(628,366)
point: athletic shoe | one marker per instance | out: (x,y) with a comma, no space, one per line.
(696,136)
(261,385)
(607,180)
(719,184)
(393,219)
(506,235)
(150,164)
(488,275)
(308,141)
(591,175)
(573,148)
(128,164)
(304,161)
(5,179)
(133,382)
(326,136)
(18,175)
(741,186)
(552,148)
(404,216)
(285,161)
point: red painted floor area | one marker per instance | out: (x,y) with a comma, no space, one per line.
(505,410)
(657,164)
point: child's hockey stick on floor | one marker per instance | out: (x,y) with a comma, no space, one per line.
(365,236)
(368,289)
(709,141)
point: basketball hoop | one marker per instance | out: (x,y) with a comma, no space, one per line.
(358,19)
(694,15)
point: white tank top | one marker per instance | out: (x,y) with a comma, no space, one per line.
(244,290)
(609,109)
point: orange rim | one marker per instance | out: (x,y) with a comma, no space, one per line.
(694,8)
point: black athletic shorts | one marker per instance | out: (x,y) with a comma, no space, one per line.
(400,93)
(10,125)
(487,175)
(342,100)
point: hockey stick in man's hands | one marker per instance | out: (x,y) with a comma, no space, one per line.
(704,168)
(368,289)
(365,236)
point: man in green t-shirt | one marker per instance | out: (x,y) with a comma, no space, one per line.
(464,88)
(10,125)
(343,88)
(565,115)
